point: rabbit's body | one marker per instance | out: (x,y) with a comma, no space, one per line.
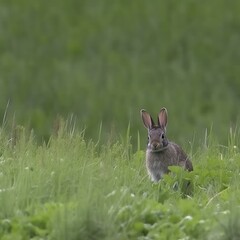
(157,163)
(160,152)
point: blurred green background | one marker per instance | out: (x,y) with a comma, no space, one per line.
(103,61)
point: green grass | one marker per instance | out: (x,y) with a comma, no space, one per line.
(103,61)
(70,188)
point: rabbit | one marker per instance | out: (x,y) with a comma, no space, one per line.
(161,153)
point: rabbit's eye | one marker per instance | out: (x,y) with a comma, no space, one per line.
(163,136)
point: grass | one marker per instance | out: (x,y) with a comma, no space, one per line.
(70,188)
(104,61)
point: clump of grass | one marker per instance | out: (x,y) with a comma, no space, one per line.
(70,188)
(69,171)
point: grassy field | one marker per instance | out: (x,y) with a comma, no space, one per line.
(103,61)
(95,64)
(74,189)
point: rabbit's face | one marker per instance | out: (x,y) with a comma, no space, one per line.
(157,140)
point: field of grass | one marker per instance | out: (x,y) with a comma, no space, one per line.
(97,63)
(103,61)
(70,188)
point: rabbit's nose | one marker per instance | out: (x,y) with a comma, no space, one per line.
(155,145)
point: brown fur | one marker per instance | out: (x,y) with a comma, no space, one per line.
(160,152)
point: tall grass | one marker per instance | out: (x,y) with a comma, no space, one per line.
(104,61)
(70,188)
(70,175)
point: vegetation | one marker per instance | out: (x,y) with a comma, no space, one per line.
(73,189)
(97,63)
(103,61)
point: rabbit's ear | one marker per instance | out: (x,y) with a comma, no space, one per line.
(147,119)
(162,118)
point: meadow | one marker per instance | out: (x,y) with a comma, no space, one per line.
(70,188)
(104,61)
(73,78)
